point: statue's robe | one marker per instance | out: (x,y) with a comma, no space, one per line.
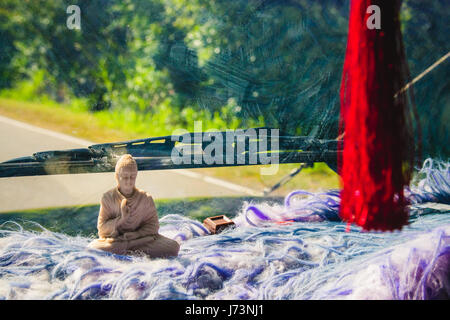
(137,231)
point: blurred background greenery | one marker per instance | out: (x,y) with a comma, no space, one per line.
(141,68)
(82,220)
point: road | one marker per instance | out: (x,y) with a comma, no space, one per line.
(18,139)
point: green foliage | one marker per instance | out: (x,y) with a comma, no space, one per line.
(426,37)
(167,63)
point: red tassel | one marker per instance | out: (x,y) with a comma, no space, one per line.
(377,160)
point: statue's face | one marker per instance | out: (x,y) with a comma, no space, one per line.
(126,179)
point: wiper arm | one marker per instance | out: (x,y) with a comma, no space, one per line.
(157,153)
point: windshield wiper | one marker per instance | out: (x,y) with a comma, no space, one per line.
(158,153)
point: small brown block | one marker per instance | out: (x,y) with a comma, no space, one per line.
(217,224)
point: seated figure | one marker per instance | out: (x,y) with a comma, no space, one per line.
(128,221)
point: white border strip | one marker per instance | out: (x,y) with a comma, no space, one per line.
(86,143)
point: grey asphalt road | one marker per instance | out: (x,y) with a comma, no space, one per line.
(18,139)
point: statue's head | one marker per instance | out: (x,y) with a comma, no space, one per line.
(126,173)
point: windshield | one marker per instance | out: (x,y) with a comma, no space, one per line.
(90,73)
